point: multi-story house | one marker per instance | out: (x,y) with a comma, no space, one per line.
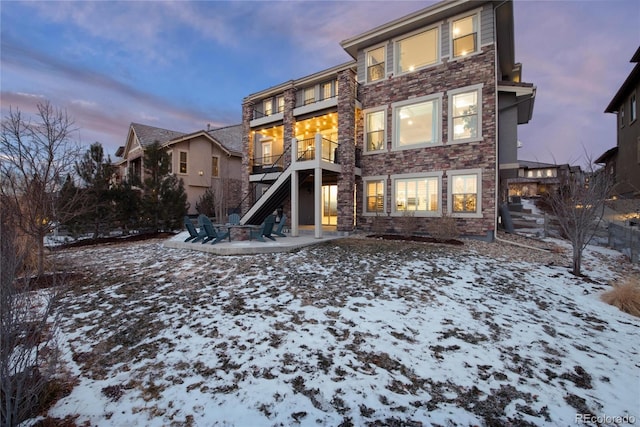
(537,178)
(622,162)
(206,159)
(422,123)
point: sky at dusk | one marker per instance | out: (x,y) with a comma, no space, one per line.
(181,65)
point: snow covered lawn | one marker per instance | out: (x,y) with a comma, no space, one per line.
(351,332)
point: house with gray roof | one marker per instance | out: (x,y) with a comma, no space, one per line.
(204,159)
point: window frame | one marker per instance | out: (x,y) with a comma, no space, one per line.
(280,105)
(309,101)
(267,107)
(429,176)
(633,108)
(170,155)
(477,19)
(383,63)
(215,166)
(450,116)
(180,162)
(397,50)
(621,116)
(365,131)
(382,179)
(396,106)
(451,174)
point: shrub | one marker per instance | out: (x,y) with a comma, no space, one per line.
(625,296)
(443,228)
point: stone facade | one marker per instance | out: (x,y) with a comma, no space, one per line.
(346,149)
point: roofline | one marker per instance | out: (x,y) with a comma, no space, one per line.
(320,75)
(629,83)
(205,134)
(609,153)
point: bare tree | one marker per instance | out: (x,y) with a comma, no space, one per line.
(36,157)
(578,205)
(26,329)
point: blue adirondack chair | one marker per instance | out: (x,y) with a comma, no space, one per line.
(194,235)
(278,230)
(265,230)
(234,218)
(212,235)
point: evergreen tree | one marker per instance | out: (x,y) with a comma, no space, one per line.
(164,201)
(127,206)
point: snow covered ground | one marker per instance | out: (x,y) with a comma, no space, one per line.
(351,332)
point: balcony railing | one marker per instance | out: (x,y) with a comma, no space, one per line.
(268,164)
(307,149)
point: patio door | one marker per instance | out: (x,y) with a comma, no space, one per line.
(329,205)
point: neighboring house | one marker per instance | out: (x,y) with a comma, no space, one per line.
(536,178)
(422,123)
(206,159)
(623,161)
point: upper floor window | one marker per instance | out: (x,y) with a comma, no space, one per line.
(215,166)
(416,123)
(416,51)
(621,115)
(170,156)
(376,64)
(465,116)
(374,196)
(280,103)
(418,195)
(328,89)
(465,192)
(309,95)
(464,34)
(267,106)
(632,108)
(374,131)
(183,162)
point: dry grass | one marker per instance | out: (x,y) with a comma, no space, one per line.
(625,296)
(443,228)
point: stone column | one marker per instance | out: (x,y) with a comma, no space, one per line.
(346,148)
(247,155)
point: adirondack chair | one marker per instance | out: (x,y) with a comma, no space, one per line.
(278,230)
(265,230)
(211,232)
(234,219)
(194,235)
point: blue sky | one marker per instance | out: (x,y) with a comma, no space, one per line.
(181,65)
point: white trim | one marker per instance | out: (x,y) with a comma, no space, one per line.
(633,110)
(451,20)
(450,94)
(396,53)
(385,148)
(437,140)
(417,176)
(377,178)
(458,172)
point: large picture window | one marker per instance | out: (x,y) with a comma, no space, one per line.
(464,33)
(374,196)
(375,131)
(416,124)
(465,193)
(418,195)
(417,51)
(465,119)
(376,64)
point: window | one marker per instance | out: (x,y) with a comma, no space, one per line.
(375,64)
(374,196)
(215,166)
(266,153)
(170,154)
(417,194)
(326,90)
(465,193)
(416,123)
(621,115)
(280,103)
(417,51)
(464,114)
(633,112)
(268,106)
(464,33)
(375,130)
(309,95)
(183,162)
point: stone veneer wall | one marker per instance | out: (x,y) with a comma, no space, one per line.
(449,75)
(247,155)
(346,149)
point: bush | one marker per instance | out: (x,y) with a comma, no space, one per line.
(625,296)
(443,228)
